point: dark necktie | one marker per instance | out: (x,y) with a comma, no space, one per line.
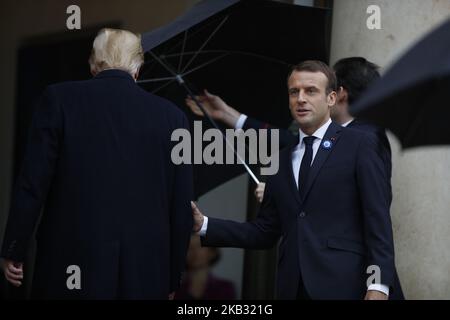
(305,165)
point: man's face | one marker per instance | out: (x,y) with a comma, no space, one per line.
(308,101)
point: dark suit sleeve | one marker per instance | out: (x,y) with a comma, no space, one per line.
(286,138)
(374,190)
(261,233)
(34,179)
(180,217)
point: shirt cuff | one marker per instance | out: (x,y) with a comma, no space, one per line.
(379,287)
(240,122)
(204,227)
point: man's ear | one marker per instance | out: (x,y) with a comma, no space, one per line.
(331,98)
(342,96)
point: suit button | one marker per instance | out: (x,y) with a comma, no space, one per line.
(302,214)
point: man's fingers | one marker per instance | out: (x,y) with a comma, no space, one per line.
(13,276)
(375,295)
(195,210)
(201,98)
(197,216)
(14,273)
(259,197)
(193,106)
(207,94)
(259,191)
(15,283)
(15,270)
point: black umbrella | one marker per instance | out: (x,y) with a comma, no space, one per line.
(241,50)
(411,99)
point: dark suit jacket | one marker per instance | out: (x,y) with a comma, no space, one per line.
(340,228)
(99,161)
(383,147)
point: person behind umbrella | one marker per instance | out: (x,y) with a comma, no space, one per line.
(117,219)
(328,204)
(354,75)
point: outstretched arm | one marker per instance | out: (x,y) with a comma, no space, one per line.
(260,233)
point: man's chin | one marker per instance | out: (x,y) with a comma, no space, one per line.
(303,122)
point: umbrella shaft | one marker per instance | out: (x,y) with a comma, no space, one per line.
(250,172)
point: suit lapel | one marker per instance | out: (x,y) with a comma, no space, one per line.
(322,155)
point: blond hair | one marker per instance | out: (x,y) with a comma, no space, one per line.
(116,49)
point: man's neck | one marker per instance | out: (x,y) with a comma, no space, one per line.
(310,130)
(343,119)
(342,115)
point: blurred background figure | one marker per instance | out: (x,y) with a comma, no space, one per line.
(199,282)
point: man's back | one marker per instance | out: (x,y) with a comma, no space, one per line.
(116,203)
(114,160)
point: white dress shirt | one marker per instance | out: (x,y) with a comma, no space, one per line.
(345,124)
(299,151)
(297,156)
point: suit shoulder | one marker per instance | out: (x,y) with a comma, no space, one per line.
(368,127)
(356,134)
(67,86)
(68,90)
(373,133)
(362,140)
(165,105)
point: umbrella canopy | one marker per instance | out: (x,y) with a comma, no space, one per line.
(411,98)
(241,50)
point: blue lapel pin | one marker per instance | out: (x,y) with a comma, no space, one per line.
(327,144)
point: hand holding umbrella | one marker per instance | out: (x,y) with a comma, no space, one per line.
(216,108)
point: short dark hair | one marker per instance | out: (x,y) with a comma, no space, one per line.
(355,74)
(317,66)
